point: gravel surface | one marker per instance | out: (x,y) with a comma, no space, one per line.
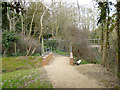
(63,75)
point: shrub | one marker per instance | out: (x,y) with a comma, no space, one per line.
(25,42)
(8,38)
(80,45)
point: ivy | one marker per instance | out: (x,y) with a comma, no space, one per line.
(8,38)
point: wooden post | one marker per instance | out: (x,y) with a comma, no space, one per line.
(71,58)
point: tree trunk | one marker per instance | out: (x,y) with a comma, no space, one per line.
(106,48)
(14,31)
(118,50)
(22,23)
(57,30)
(32,22)
(106,43)
(42,28)
(31,25)
(15,47)
(29,50)
(102,42)
(10,23)
(118,39)
(14,21)
(52,31)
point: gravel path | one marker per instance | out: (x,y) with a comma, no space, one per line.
(63,75)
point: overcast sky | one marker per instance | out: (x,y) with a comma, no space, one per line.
(81,2)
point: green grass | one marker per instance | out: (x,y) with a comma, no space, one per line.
(96,62)
(10,64)
(32,78)
(60,52)
(84,62)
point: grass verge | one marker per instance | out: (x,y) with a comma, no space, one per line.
(10,64)
(32,78)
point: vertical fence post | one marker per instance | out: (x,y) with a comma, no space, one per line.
(51,49)
(71,54)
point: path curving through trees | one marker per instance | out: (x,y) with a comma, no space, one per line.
(63,75)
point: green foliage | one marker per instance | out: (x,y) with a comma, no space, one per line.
(3,70)
(36,54)
(18,53)
(84,62)
(60,52)
(118,74)
(96,62)
(32,78)
(8,38)
(5,22)
(11,64)
(104,8)
(51,43)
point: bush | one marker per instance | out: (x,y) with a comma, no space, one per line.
(51,43)
(3,70)
(8,38)
(25,42)
(22,44)
(80,45)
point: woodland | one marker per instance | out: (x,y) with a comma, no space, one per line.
(26,24)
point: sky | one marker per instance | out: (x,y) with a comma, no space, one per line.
(81,2)
(85,3)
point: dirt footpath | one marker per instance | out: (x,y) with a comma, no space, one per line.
(63,75)
(101,74)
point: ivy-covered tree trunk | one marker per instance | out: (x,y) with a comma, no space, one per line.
(106,47)
(118,38)
(102,41)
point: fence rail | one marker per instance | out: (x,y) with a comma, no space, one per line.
(94,41)
(47,51)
